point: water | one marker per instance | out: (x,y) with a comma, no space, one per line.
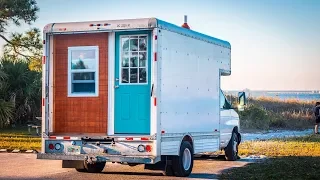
(301,95)
(274,134)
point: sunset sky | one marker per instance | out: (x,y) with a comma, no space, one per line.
(275,43)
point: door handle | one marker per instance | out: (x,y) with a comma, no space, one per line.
(116,87)
(117,79)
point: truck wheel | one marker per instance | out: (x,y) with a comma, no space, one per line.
(231,151)
(168,171)
(182,165)
(81,170)
(95,167)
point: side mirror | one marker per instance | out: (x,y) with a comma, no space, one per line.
(242,101)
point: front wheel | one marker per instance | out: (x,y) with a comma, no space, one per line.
(182,165)
(231,151)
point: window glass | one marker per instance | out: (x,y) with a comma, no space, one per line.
(224,103)
(134,59)
(82,71)
(83,59)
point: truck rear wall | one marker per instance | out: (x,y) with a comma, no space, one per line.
(79,114)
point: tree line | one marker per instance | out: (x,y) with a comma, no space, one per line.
(20,64)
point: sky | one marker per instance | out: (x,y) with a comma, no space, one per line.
(275,43)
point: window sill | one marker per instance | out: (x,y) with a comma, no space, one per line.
(83,95)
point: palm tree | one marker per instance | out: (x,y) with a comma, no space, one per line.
(21,90)
(6,107)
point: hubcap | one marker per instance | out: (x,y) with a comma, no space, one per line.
(186,159)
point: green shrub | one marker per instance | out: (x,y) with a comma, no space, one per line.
(254,117)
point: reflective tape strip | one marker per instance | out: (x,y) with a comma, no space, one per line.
(155,56)
(134,139)
(63,137)
(43,59)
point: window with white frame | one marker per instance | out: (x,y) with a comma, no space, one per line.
(83,71)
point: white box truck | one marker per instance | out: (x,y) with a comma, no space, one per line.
(135,91)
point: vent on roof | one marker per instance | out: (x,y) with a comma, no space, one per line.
(185,24)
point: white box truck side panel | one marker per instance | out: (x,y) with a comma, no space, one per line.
(190,85)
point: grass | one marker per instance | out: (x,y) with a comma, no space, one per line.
(274,113)
(291,158)
(19,138)
(298,146)
(302,167)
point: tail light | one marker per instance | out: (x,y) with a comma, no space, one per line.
(148,148)
(51,146)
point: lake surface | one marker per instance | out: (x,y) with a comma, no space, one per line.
(301,95)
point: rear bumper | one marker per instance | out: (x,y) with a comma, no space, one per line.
(107,158)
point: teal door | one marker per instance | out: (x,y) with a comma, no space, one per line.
(132,82)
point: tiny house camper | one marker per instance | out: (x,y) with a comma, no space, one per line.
(134,91)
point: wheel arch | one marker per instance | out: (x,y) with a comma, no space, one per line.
(188,138)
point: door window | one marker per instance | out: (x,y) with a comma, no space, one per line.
(133,59)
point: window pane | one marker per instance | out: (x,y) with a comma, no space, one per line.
(134,59)
(133,44)
(222,100)
(143,43)
(142,75)
(83,76)
(83,59)
(133,75)
(83,54)
(125,59)
(142,59)
(125,75)
(125,43)
(83,88)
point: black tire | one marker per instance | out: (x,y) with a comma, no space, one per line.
(132,164)
(177,161)
(231,151)
(95,167)
(81,169)
(168,171)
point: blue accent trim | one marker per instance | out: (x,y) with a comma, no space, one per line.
(189,32)
(132,111)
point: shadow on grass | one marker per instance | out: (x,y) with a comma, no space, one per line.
(299,167)
(22,130)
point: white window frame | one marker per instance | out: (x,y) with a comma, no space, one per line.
(120,60)
(96,70)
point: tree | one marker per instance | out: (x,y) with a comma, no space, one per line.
(22,88)
(19,87)
(21,46)
(6,107)
(29,48)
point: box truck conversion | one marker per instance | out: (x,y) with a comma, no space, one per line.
(134,91)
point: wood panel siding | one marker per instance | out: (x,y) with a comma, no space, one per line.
(79,114)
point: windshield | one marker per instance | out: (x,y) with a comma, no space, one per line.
(224,103)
